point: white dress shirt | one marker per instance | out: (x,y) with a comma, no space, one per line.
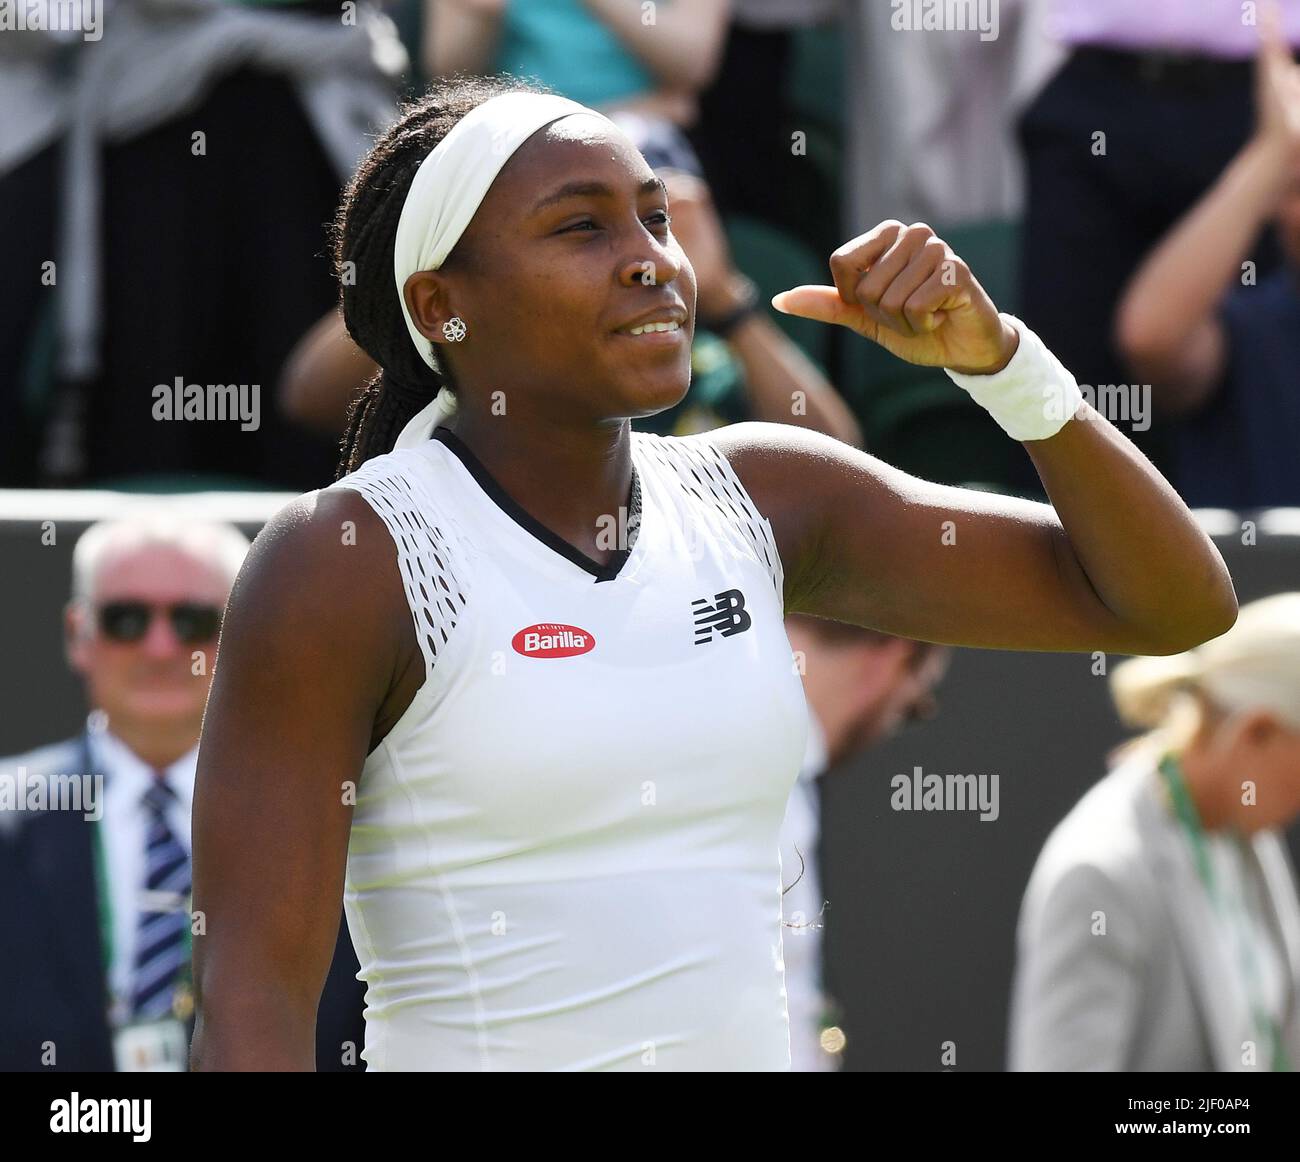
(801,908)
(124,830)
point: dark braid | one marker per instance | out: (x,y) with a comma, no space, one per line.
(365,230)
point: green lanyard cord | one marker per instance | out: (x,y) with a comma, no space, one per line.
(1190,819)
(1188,816)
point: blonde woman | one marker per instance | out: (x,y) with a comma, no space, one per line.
(1161,929)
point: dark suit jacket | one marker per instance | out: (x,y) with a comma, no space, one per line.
(52,984)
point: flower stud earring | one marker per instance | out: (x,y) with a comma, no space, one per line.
(454,329)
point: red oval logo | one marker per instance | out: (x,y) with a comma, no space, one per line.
(552,639)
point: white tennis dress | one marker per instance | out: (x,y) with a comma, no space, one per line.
(565,854)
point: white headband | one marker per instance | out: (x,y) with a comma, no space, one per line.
(446,192)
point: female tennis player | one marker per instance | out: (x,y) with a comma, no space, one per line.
(516,689)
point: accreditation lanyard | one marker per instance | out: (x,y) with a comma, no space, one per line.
(104,900)
(1189,818)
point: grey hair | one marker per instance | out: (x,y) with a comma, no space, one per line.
(214,542)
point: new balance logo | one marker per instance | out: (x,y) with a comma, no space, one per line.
(725,615)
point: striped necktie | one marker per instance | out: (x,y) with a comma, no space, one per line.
(164,918)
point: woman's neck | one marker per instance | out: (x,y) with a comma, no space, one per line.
(566,481)
(1211,793)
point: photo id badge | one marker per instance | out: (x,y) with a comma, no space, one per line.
(151,1047)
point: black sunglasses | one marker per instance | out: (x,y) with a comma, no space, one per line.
(129,621)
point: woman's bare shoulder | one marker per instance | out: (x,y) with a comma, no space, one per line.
(778,461)
(324,566)
(793,475)
(319,531)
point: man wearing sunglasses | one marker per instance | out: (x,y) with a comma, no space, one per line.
(97,909)
(862,687)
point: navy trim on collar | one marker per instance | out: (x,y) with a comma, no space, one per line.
(530,524)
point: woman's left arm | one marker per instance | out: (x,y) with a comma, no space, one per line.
(1115,563)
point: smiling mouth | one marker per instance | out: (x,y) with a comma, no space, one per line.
(651,329)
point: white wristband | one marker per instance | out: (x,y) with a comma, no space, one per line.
(1032,397)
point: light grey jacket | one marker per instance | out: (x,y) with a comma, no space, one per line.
(1157,991)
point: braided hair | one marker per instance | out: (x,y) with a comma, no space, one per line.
(365,230)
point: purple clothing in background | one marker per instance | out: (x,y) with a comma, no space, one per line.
(1209,27)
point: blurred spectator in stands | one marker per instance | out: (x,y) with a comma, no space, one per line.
(743,366)
(1220,346)
(1149,108)
(179,187)
(862,687)
(609,54)
(410,18)
(934,95)
(1161,930)
(33,110)
(933,137)
(95,912)
(750,111)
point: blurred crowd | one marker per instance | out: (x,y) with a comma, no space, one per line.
(1125,179)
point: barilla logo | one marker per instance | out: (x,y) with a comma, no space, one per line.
(550,639)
